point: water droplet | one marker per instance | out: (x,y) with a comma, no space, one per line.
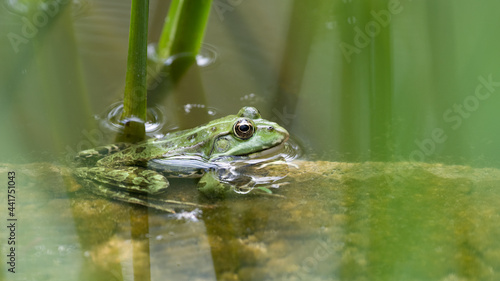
(351,20)
(251,99)
(152,55)
(208,55)
(211,111)
(190,106)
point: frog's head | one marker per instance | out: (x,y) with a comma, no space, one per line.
(247,133)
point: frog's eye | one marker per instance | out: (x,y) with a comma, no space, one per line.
(243,129)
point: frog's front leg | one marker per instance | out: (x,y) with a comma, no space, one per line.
(133,179)
(211,185)
(221,183)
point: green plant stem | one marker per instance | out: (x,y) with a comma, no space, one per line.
(134,103)
(181,40)
(184,28)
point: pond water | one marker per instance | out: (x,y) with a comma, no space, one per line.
(393,104)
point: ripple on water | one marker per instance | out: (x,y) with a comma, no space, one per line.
(110,120)
(208,55)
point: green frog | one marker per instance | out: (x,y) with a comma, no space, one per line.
(118,170)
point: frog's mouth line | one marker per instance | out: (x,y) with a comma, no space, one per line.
(269,151)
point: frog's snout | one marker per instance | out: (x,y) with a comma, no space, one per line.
(281,131)
(285,134)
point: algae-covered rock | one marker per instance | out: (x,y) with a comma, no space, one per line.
(324,221)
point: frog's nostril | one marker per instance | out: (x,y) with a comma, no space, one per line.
(270,128)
